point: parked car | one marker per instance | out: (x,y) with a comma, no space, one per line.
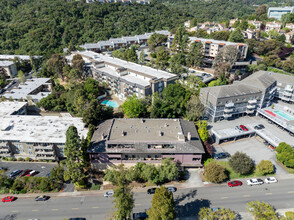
(270,180)
(15,173)
(8,199)
(42,198)
(109,193)
(235,183)
(24,173)
(172,189)
(222,155)
(243,127)
(254,181)
(151,191)
(259,127)
(238,129)
(33,173)
(140,216)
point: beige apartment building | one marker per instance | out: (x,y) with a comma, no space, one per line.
(8,68)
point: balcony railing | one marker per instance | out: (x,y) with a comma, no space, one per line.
(39,157)
(227,115)
(249,111)
(229,105)
(252,101)
(251,106)
(228,110)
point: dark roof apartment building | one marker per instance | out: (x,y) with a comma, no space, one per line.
(128,141)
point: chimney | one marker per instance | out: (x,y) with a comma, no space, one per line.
(123,133)
(160,133)
(165,125)
(189,136)
(142,120)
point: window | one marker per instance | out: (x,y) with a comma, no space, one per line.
(196,159)
(219,103)
(244,99)
(237,100)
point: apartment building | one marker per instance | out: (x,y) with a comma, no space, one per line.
(126,78)
(128,141)
(34,89)
(257,24)
(122,42)
(8,69)
(241,98)
(36,137)
(273,26)
(290,26)
(277,12)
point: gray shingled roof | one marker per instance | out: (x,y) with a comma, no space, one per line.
(260,79)
(141,134)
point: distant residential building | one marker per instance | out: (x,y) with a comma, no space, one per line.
(290,26)
(34,89)
(290,37)
(36,137)
(277,12)
(257,24)
(250,34)
(187,24)
(128,141)
(232,21)
(122,42)
(241,98)
(126,78)
(8,69)
(21,57)
(273,26)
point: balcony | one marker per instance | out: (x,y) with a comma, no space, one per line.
(273,90)
(252,101)
(288,94)
(285,98)
(43,157)
(228,115)
(229,105)
(289,88)
(228,110)
(44,152)
(250,111)
(251,106)
(42,147)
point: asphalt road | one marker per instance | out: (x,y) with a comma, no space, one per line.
(188,202)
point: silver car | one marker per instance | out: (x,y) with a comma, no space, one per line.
(109,193)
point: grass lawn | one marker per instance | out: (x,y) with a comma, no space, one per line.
(289,170)
(233,175)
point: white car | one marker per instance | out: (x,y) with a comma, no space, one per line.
(270,180)
(254,181)
(109,193)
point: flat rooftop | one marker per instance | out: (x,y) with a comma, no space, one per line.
(132,67)
(6,63)
(137,130)
(23,90)
(214,41)
(8,108)
(39,129)
(11,57)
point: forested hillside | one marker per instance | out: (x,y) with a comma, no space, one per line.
(43,27)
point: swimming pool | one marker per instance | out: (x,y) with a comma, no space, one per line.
(284,115)
(112,104)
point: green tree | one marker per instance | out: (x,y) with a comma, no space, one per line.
(21,76)
(55,65)
(142,57)
(193,22)
(236,24)
(243,25)
(193,84)
(262,210)
(261,10)
(162,57)
(225,214)
(241,163)
(202,130)
(162,205)
(79,64)
(180,41)
(195,55)
(265,167)
(220,35)
(195,109)
(215,172)
(156,40)
(288,65)
(236,36)
(272,60)
(134,107)
(201,33)
(168,171)
(287,18)
(177,64)
(74,170)
(131,55)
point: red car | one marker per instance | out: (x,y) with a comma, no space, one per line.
(234,183)
(243,128)
(25,172)
(8,199)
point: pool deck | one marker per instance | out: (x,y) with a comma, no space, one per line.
(113,98)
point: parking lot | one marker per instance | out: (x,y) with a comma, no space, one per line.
(43,168)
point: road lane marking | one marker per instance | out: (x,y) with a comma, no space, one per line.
(268,194)
(95,207)
(137,204)
(74,208)
(35,210)
(291,192)
(14,211)
(224,197)
(246,195)
(54,209)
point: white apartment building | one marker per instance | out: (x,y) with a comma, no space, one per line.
(290,25)
(273,26)
(257,24)
(277,12)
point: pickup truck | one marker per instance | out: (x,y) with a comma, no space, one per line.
(253,182)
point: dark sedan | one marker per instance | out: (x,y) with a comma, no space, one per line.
(151,191)
(42,198)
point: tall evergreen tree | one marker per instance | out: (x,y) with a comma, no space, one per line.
(181,40)
(195,55)
(236,36)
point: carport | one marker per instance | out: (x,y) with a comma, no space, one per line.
(230,134)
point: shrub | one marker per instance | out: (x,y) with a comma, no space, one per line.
(241,163)
(265,167)
(289,215)
(209,160)
(285,154)
(95,186)
(4,158)
(22,191)
(11,159)
(215,172)
(28,159)
(19,159)
(262,210)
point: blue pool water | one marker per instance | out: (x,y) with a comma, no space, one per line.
(112,104)
(284,115)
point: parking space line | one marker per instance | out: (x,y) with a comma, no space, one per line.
(74,208)
(54,209)
(95,207)
(268,193)
(137,204)
(291,192)
(246,195)
(15,211)
(224,197)
(35,210)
